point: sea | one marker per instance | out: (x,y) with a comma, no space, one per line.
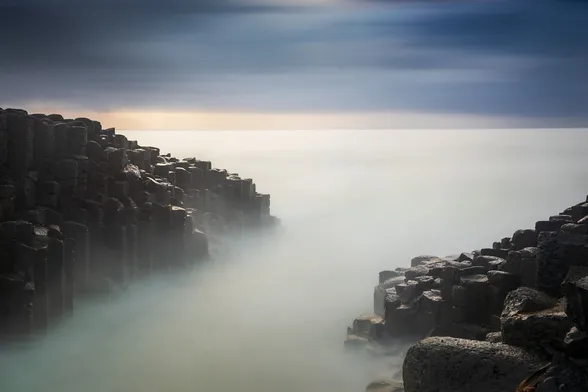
(270,313)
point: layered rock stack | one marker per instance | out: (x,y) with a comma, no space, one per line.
(85,210)
(492,317)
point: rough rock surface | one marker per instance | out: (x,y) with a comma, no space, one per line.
(459,365)
(85,211)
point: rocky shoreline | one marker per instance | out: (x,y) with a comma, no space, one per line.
(84,211)
(513,317)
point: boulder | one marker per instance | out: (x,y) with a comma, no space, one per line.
(457,365)
(525,300)
(416,271)
(536,329)
(425,259)
(488,262)
(524,239)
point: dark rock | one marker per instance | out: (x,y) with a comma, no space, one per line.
(561,218)
(424,260)
(368,326)
(465,257)
(534,329)
(575,228)
(526,300)
(575,288)
(424,282)
(502,253)
(504,280)
(488,261)
(505,243)
(576,343)
(384,298)
(459,296)
(449,365)
(546,226)
(461,331)
(408,291)
(524,239)
(416,271)
(478,270)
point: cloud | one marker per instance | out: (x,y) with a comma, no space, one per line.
(500,59)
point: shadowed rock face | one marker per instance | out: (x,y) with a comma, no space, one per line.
(85,211)
(459,365)
(512,306)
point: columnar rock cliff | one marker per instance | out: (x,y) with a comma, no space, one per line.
(84,210)
(510,317)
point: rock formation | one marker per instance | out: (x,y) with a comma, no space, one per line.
(513,316)
(84,210)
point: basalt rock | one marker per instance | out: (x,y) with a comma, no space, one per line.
(442,364)
(81,212)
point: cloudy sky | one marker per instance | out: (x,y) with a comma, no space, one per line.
(333,64)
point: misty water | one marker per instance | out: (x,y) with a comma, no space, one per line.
(271,314)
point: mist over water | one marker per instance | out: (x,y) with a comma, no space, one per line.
(271,314)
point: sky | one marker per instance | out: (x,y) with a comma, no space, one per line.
(229,64)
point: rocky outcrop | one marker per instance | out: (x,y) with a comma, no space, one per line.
(84,210)
(459,365)
(525,299)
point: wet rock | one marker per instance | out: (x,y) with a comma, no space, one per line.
(450,365)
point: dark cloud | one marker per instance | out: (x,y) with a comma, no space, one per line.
(507,58)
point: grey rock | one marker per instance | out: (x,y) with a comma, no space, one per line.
(424,259)
(416,271)
(458,365)
(384,298)
(533,330)
(494,337)
(524,238)
(387,274)
(487,261)
(477,270)
(525,300)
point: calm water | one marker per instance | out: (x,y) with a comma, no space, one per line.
(272,315)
